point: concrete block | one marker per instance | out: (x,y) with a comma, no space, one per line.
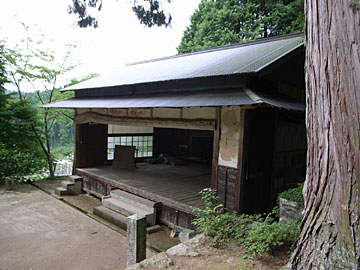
(60,191)
(128,209)
(75,189)
(111,216)
(136,238)
(75,178)
(66,184)
(136,266)
(133,199)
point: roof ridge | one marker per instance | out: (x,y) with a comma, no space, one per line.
(226,47)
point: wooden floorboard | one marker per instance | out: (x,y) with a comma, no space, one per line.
(178,183)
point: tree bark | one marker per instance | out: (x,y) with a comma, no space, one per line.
(330,233)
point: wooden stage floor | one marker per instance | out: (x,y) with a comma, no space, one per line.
(176,186)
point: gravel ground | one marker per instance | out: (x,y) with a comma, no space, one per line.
(38,231)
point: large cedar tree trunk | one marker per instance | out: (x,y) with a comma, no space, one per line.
(330,233)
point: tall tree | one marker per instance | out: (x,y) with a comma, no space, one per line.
(224,22)
(20,154)
(149,12)
(330,232)
(34,68)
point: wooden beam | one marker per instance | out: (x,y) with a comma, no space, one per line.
(199,124)
(76,139)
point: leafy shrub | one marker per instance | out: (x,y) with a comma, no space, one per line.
(212,221)
(293,194)
(276,211)
(256,234)
(268,235)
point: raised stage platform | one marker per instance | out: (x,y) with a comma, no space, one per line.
(175,187)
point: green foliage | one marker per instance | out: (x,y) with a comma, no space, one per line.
(20,153)
(293,194)
(276,211)
(254,233)
(267,235)
(21,163)
(63,151)
(35,67)
(149,12)
(217,23)
(152,14)
(211,220)
(355,5)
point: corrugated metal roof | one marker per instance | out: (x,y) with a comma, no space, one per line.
(181,99)
(247,57)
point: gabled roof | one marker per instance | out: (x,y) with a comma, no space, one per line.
(249,57)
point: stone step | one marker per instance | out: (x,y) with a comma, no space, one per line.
(128,209)
(73,188)
(75,178)
(111,216)
(60,191)
(132,199)
(67,183)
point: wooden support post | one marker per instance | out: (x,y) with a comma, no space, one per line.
(239,174)
(214,169)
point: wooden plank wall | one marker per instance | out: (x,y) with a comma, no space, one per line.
(172,217)
(226,187)
(289,166)
(94,186)
(259,141)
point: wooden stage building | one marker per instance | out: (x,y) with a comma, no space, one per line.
(231,118)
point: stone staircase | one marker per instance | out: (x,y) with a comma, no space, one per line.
(121,204)
(70,187)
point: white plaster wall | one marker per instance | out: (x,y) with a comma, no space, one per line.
(231,126)
(199,113)
(166,112)
(117,112)
(155,117)
(139,113)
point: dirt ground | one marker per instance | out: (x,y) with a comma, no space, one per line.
(229,258)
(159,241)
(38,231)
